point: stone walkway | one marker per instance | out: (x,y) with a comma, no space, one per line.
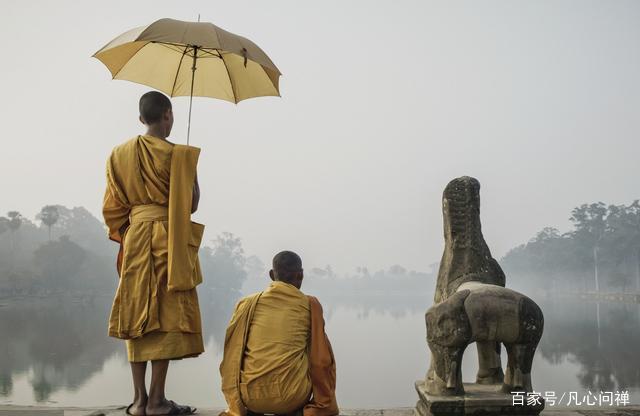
(6,410)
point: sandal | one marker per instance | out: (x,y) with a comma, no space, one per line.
(176,409)
(127,410)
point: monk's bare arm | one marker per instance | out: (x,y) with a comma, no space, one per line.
(322,367)
(195,199)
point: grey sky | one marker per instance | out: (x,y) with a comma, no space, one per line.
(383,103)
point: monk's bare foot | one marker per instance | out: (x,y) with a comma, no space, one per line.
(168,407)
(137,408)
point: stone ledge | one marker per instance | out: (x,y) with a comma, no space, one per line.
(10,410)
(478,399)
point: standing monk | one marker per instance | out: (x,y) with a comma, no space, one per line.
(152,190)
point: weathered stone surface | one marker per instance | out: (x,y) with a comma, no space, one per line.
(12,410)
(472,305)
(478,399)
(466,256)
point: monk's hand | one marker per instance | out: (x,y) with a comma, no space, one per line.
(195,197)
(123,229)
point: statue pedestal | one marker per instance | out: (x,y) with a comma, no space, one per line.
(478,399)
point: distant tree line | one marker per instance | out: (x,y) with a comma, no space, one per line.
(601,252)
(66,251)
(325,281)
(393,280)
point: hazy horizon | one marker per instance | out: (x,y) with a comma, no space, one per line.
(382,105)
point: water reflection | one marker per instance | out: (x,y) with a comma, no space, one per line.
(602,338)
(59,344)
(398,305)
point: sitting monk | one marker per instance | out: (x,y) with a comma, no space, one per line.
(277,357)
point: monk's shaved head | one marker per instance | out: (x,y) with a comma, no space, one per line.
(287,267)
(153,106)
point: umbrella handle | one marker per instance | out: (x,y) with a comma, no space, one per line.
(193,75)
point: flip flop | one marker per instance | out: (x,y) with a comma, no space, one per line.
(129,408)
(176,409)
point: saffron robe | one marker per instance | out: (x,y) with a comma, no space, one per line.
(277,356)
(146,208)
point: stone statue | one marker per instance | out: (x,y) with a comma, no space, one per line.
(471,304)
(482,313)
(466,256)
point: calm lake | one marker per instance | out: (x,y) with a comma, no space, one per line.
(56,352)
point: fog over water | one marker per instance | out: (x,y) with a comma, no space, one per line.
(382,104)
(379,344)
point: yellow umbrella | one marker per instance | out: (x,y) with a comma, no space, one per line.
(191,59)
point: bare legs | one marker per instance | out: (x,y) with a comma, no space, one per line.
(138,371)
(155,403)
(158,403)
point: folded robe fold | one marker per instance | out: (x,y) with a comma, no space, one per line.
(322,366)
(146,209)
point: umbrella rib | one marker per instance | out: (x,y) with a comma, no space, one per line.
(209,52)
(171,47)
(177,45)
(173,88)
(129,60)
(233,90)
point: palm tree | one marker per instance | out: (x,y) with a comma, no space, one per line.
(4,224)
(49,215)
(15,221)
(591,226)
(625,240)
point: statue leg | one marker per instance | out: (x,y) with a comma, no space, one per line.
(507,386)
(444,377)
(490,367)
(520,358)
(432,383)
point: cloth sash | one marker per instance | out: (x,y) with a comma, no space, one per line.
(151,212)
(234,344)
(184,235)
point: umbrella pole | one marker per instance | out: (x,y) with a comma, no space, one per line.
(193,75)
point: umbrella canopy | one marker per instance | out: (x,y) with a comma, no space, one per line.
(191,59)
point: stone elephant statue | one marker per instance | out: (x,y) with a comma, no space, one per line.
(488,315)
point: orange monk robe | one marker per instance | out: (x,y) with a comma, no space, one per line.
(322,367)
(148,195)
(277,356)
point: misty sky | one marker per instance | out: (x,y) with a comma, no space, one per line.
(382,104)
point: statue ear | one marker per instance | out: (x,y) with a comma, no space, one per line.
(458,298)
(451,309)
(447,316)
